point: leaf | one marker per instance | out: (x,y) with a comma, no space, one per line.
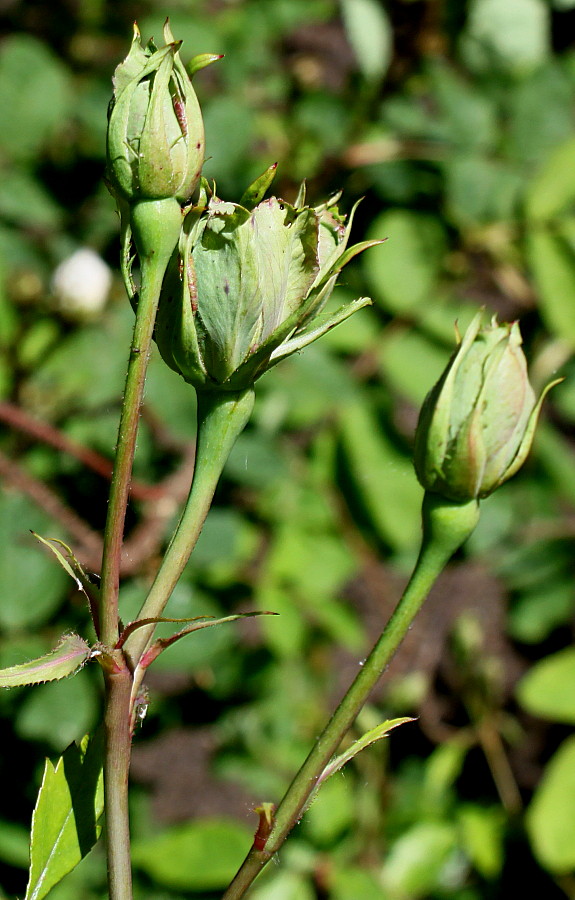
(31,586)
(548,689)
(482,833)
(550,818)
(552,189)
(73,567)
(383,476)
(403,273)
(417,863)
(553,267)
(162,643)
(202,855)
(65,659)
(290,885)
(338,762)
(369,33)
(36,95)
(65,820)
(370,737)
(59,712)
(514,34)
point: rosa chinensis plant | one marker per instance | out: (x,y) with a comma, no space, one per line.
(228,290)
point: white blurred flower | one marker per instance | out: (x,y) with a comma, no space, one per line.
(81,284)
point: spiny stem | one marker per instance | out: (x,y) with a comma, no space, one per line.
(445,526)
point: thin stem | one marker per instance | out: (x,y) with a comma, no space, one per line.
(445,526)
(156,227)
(125,448)
(116,769)
(221,418)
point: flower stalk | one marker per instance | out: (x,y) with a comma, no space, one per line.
(222,416)
(446,525)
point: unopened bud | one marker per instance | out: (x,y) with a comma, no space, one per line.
(477,424)
(155,148)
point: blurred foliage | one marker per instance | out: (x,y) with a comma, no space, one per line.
(456,124)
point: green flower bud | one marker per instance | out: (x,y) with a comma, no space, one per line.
(477,424)
(155,147)
(248,286)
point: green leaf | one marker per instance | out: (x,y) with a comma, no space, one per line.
(203,855)
(480,191)
(370,737)
(287,886)
(65,820)
(65,659)
(161,644)
(35,95)
(71,566)
(383,476)
(352,883)
(550,818)
(31,586)
(416,861)
(427,360)
(14,844)
(403,272)
(482,837)
(58,713)
(514,33)
(369,33)
(552,189)
(553,267)
(24,201)
(548,689)
(331,812)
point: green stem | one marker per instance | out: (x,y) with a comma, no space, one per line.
(116,769)
(222,416)
(446,525)
(156,227)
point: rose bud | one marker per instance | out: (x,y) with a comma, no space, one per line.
(477,424)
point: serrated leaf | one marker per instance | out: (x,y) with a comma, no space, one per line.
(65,659)
(370,737)
(70,565)
(161,644)
(65,820)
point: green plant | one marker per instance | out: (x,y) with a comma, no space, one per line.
(207,265)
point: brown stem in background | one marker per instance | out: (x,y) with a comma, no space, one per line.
(18,418)
(146,538)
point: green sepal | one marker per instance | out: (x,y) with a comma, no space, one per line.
(65,659)
(321,325)
(529,434)
(257,189)
(202,60)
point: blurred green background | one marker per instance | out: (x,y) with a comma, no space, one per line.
(455,122)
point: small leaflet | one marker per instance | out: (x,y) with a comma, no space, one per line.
(65,659)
